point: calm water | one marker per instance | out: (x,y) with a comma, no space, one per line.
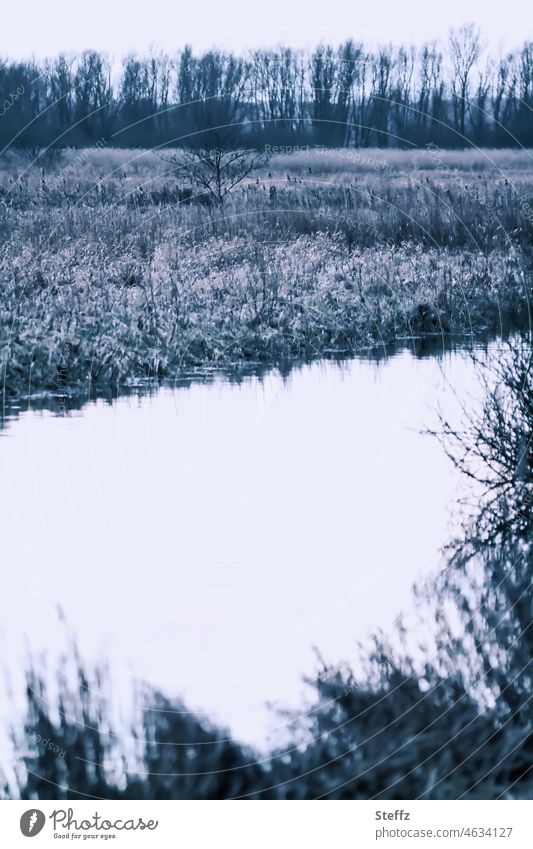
(206,538)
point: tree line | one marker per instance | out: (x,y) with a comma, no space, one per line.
(452,94)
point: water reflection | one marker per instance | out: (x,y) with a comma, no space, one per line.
(206,539)
(436,346)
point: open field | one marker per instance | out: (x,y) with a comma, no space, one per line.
(115,266)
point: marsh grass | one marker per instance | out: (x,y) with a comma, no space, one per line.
(116,267)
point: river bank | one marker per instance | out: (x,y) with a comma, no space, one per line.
(109,275)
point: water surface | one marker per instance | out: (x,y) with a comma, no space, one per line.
(206,538)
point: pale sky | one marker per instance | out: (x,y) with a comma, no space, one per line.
(47,27)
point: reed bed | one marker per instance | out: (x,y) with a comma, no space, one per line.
(116,267)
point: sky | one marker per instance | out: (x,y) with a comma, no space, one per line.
(47,27)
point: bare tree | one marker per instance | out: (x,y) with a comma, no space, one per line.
(380,104)
(465,49)
(218,169)
(402,90)
(480,104)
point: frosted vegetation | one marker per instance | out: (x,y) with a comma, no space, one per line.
(117,265)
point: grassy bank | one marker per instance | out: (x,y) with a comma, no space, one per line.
(115,266)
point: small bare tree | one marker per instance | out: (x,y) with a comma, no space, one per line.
(218,168)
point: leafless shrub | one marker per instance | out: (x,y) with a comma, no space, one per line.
(494,449)
(218,169)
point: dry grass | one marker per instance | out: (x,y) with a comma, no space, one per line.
(114,267)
